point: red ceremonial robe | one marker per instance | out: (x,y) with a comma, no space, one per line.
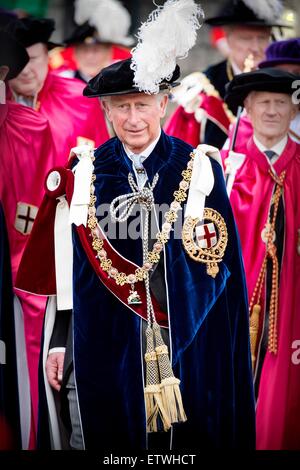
(73,118)
(27,153)
(210,127)
(278,405)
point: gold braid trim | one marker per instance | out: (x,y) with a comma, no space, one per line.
(162,237)
(255,302)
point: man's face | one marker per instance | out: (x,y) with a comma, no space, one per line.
(136,118)
(245,40)
(270,114)
(91,58)
(31,80)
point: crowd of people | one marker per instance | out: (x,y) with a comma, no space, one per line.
(149,275)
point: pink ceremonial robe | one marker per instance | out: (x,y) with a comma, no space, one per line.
(73,118)
(278,406)
(27,154)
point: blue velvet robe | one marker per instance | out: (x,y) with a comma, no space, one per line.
(208,326)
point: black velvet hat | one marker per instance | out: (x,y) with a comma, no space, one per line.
(236,12)
(12,54)
(84,33)
(6,18)
(267,79)
(118,79)
(87,34)
(29,31)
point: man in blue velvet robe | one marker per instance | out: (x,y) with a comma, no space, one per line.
(204,318)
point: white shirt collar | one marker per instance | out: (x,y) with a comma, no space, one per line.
(277,148)
(142,178)
(145,152)
(236,70)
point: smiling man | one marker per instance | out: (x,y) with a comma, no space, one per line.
(265,201)
(136,118)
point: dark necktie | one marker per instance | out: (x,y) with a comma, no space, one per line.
(137,161)
(270,154)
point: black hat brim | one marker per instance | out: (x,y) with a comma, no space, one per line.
(118,79)
(12,54)
(29,31)
(234,21)
(84,31)
(129,91)
(270,80)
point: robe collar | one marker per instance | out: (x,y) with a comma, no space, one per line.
(153,164)
(282,162)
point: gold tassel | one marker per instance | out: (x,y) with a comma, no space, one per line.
(273,309)
(171,395)
(153,397)
(254,325)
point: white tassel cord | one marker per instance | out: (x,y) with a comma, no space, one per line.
(168,34)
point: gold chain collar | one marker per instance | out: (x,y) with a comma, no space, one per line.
(162,237)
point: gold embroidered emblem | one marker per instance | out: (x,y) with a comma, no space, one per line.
(208,248)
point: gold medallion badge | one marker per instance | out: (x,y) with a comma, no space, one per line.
(205,241)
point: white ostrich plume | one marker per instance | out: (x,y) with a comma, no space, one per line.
(168,34)
(111,20)
(269,10)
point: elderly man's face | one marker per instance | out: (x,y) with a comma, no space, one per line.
(270,114)
(91,58)
(31,80)
(245,40)
(136,118)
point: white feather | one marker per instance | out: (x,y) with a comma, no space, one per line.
(169,33)
(111,20)
(269,10)
(84,10)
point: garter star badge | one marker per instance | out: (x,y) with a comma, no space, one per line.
(205,240)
